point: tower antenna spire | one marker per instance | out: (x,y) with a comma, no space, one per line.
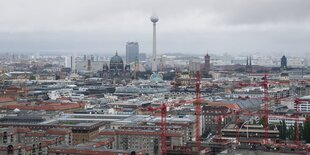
(154,20)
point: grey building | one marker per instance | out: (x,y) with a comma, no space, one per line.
(211,116)
(142,56)
(283,63)
(132,52)
(95,65)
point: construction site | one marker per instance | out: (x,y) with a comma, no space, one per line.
(201,125)
(238,130)
(192,114)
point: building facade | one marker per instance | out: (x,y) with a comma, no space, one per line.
(248,66)
(89,65)
(205,69)
(132,52)
(116,70)
(23,141)
(283,63)
(211,116)
(304,106)
(194,65)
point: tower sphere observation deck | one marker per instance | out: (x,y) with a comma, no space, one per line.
(154,18)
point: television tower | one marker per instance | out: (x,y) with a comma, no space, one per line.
(154,19)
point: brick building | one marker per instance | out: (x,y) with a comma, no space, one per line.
(211,116)
(82,131)
(22,141)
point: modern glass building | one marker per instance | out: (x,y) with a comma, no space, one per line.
(132,52)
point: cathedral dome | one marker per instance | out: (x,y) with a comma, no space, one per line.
(116,63)
(156,77)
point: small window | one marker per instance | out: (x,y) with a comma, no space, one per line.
(10,150)
(5,137)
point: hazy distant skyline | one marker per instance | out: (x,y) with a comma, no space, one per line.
(103,26)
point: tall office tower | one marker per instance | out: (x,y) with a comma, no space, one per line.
(73,65)
(67,61)
(70,62)
(132,52)
(283,63)
(154,20)
(206,66)
(89,67)
(207,63)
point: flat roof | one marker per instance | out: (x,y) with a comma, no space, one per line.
(250,130)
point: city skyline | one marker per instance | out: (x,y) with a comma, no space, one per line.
(238,27)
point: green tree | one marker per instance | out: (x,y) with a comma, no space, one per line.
(279,127)
(294,132)
(291,133)
(261,121)
(284,128)
(306,131)
(301,132)
(32,77)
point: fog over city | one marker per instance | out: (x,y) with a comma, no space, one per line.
(236,27)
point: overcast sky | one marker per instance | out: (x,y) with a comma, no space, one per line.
(186,26)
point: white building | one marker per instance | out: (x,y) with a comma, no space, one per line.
(304,106)
(289,121)
(70,62)
(194,65)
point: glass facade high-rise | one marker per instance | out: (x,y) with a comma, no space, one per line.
(132,52)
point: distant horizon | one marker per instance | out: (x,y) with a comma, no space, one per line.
(123,54)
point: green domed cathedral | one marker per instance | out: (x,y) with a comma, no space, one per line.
(116,69)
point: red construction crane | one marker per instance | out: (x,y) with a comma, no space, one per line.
(220,119)
(294,118)
(265,109)
(163,109)
(198,110)
(265,85)
(238,130)
(219,125)
(259,84)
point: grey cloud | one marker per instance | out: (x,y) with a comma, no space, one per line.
(198,25)
(269,11)
(82,14)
